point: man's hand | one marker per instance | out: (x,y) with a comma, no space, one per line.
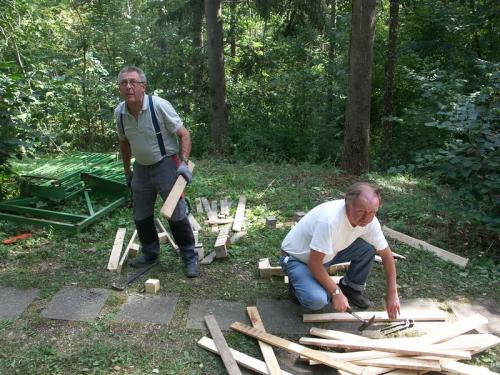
(392,305)
(183,170)
(339,302)
(128,178)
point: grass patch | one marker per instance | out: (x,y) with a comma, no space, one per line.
(51,260)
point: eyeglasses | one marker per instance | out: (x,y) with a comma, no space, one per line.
(131,82)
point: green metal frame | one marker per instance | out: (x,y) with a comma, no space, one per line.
(102,181)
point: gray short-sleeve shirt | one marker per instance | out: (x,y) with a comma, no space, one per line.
(140,133)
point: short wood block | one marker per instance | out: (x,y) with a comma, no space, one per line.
(271,221)
(134,250)
(299,215)
(266,271)
(152,286)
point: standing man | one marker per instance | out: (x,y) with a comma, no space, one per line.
(334,232)
(149,129)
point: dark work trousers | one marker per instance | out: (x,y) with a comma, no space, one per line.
(147,182)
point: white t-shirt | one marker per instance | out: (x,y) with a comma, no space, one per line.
(326,229)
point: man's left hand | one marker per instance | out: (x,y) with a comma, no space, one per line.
(183,170)
(392,305)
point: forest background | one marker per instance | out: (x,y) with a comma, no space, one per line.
(434,85)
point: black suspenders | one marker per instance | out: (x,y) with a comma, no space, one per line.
(159,137)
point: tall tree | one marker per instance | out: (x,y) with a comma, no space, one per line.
(331,56)
(357,125)
(390,69)
(220,125)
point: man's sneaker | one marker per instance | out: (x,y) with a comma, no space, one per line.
(355,297)
(142,260)
(192,269)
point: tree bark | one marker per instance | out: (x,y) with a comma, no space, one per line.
(390,69)
(232,28)
(357,125)
(220,126)
(331,57)
(196,58)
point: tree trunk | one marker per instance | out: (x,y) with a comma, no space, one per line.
(196,58)
(220,126)
(331,58)
(232,28)
(357,125)
(390,69)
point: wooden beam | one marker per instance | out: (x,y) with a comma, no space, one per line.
(221,241)
(295,348)
(199,207)
(239,217)
(414,350)
(175,194)
(241,358)
(116,251)
(206,205)
(338,267)
(165,236)
(194,224)
(125,253)
(237,236)
(266,349)
(380,316)
(221,344)
(419,244)
(209,258)
(402,363)
(454,367)
(224,207)
(266,271)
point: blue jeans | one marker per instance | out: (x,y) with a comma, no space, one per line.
(310,293)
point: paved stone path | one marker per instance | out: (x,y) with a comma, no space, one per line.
(280,317)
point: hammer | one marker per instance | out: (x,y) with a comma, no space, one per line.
(366,323)
(134,277)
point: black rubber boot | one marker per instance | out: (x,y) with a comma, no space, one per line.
(150,244)
(355,297)
(183,236)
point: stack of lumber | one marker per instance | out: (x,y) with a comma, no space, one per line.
(442,351)
(223,224)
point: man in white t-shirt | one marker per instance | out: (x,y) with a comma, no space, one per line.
(334,232)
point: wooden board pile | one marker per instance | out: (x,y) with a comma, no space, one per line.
(441,351)
(223,224)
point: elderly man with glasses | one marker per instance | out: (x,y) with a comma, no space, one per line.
(149,129)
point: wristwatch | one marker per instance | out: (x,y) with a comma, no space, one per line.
(336,292)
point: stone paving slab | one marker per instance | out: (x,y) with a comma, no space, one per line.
(14,301)
(148,309)
(74,303)
(283,317)
(486,307)
(225,312)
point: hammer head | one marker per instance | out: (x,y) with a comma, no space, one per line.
(366,323)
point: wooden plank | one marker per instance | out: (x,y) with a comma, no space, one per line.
(165,236)
(419,244)
(209,258)
(217,221)
(125,253)
(338,267)
(454,330)
(337,335)
(380,316)
(221,241)
(266,270)
(194,224)
(479,341)
(296,348)
(454,367)
(413,350)
(175,194)
(239,217)
(224,207)
(335,279)
(206,205)
(266,349)
(116,251)
(402,363)
(221,344)
(237,236)
(241,358)
(199,207)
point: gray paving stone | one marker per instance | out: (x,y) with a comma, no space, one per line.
(73,303)
(486,307)
(283,317)
(14,301)
(225,312)
(148,309)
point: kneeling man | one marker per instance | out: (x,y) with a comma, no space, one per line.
(334,232)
